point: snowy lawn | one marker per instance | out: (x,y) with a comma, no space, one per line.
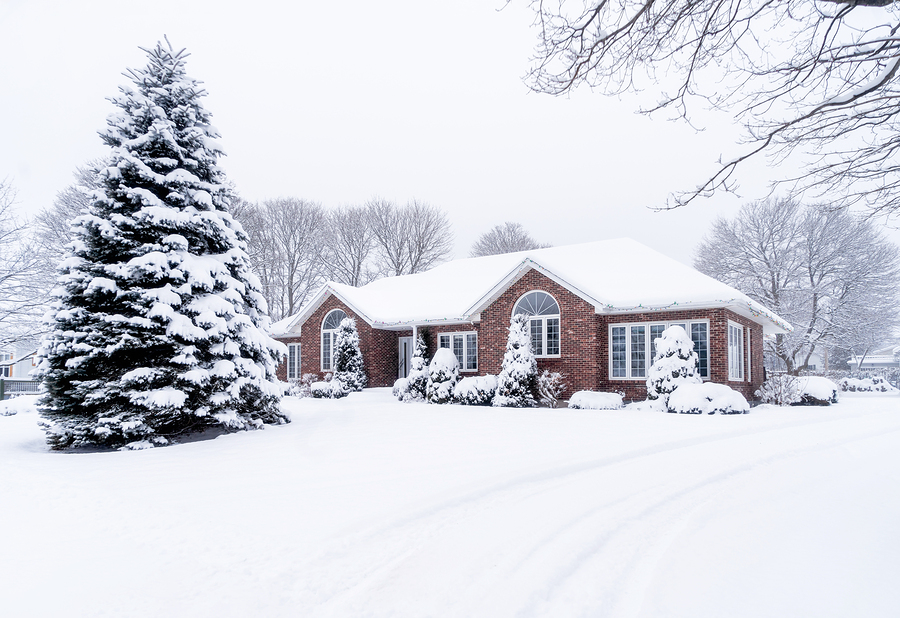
(367,507)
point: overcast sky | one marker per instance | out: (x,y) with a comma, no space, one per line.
(338,102)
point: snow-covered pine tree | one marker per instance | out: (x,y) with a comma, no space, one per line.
(348,361)
(158,327)
(443,374)
(518,374)
(415,386)
(675,363)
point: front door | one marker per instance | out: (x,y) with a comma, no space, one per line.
(405,356)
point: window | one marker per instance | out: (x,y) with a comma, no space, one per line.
(632,347)
(329,329)
(293,361)
(543,323)
(465,348)
(5,370)
(735,351)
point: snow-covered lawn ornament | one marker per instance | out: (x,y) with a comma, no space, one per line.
(590,400)
(414,387)
(443,374)
(780,390)
(158,328)
(675,364)
(707,398)
(475,390)
(516,382)
(550,386)
(348,360)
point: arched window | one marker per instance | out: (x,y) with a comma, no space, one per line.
(543,312)
(329,329)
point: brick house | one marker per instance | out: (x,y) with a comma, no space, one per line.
(594,311)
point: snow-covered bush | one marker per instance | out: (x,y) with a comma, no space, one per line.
(675,364)
(780,390)
(443,374)
(707,398)
(414,387)
(15,405)
(348,360)
(334,389)
(158,327)
(550,387)
(517,380)
(476,390)
(876,384)
(817,391)
(301,388)
(589,400)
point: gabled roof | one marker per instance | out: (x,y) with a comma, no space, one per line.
(615,276)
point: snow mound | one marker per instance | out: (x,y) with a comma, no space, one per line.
(817,391)
(23,404)
(334,389)
(589,400)
(476,390)
(867,385)
(707,398)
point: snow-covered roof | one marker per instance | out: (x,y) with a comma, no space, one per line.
(616,276)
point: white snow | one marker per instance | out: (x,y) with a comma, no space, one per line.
(707,398)
(589,400)
(365,506)
(818,387)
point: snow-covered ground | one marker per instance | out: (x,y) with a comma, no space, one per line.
(367,507)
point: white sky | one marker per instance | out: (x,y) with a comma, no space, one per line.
(339,102)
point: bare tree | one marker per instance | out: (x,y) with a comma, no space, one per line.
(410,239)
(829,273)
(506,238)
(350,245)
(23,295)
(816,76)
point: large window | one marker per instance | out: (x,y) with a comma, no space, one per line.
(293,361)
(329,329)
(543,313)
(465,348)
(632,347)
(735,351)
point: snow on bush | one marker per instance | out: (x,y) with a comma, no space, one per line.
(550,387)
(414,387)
(334,389)
(476,390)
(348,360)
(817,391)
(301,388)
(20,404)
(158,326)
(707,398)
(516,382)
(675,364)
(589,400)
(866,385)
(780,390)
(443,374)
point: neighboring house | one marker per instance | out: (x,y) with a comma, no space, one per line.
(885,358)
(17,364)
(595,310)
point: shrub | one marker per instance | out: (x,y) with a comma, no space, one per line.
(876,384)
(550,387)
(707,398)
(517,379)
(301,388)
(589,400)
(348,360)
(675,364)
(443,374)
(817,391)
(475,390)
(335,389)
(780,390)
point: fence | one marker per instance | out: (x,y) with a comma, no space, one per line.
(17,386)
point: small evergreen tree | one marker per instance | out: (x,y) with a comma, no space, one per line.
(159,326)
(675,363)
(348,360)
(443,374)
(416,387)
(517,380)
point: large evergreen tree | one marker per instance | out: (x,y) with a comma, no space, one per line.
(158,327)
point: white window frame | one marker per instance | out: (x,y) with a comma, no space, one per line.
(332,332)
(469,352)
(543,319)
(735,352)
(293,361)
(648,346)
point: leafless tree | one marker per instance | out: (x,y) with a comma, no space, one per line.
(813,76)
(350,245)
(22,295)
(830,274)
(505,238)
(287,237)
(410,239)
